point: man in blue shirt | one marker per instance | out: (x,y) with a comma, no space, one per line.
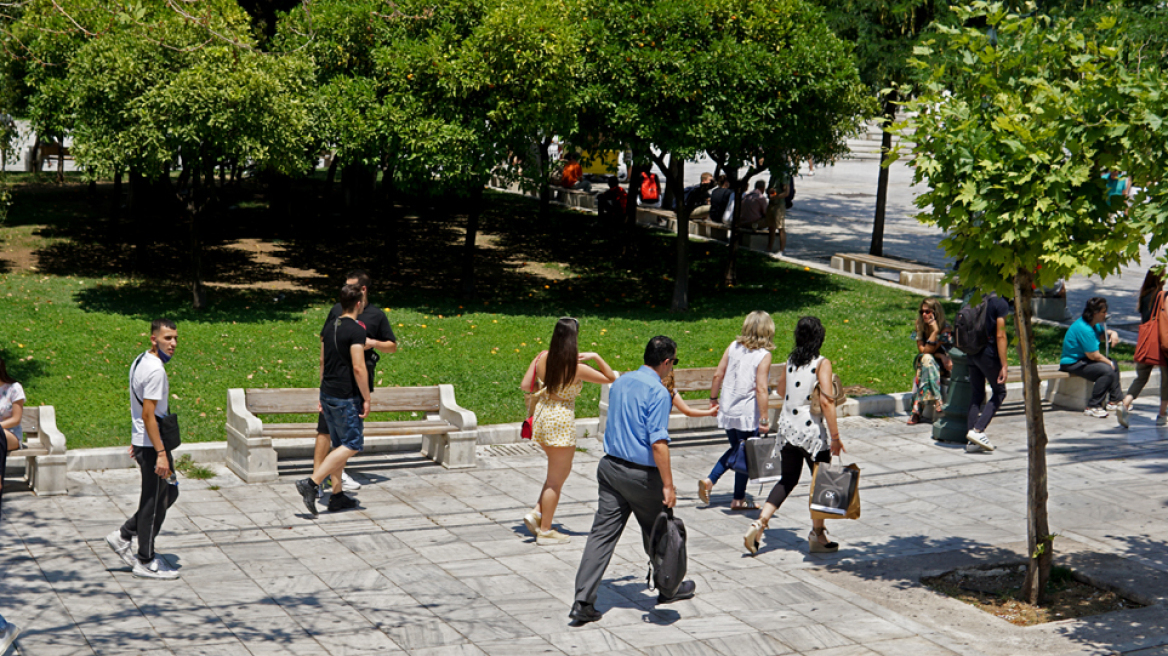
(635,476)
(1081,357)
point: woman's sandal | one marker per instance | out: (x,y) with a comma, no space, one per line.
(914,419)
(745,506)
(703,492)
(819,543)
(753,537)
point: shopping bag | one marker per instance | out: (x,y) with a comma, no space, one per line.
(763,459)
(835,492)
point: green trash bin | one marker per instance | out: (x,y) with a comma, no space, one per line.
(950,426)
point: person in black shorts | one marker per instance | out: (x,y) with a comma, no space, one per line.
(344,397)
(379,339)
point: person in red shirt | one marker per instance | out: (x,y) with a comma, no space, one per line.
(612,204)
(573,176)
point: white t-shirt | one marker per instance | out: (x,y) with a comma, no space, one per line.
(147,381)
(10,395)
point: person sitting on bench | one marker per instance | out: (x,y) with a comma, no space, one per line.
(1081,357)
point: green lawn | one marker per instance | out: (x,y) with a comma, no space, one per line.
(70,339)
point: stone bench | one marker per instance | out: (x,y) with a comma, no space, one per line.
(447,435)
(44,452)
(696,379)
(574,197)
(912,274)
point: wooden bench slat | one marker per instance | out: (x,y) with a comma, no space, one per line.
(371,428)
(390,399)
(699,378)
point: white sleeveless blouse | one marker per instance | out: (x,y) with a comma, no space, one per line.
(797,426)
(737,402)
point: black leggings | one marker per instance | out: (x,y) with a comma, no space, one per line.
(791,465)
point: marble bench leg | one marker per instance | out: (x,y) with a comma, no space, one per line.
(48,475)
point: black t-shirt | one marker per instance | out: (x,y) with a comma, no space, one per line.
(998,309)
(338,338)
(719,199)
(376,325)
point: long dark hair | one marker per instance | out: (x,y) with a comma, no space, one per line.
(809,333)
(1153,284)
(563,355)
(4,377)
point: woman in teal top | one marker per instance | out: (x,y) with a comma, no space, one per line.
(1081,357)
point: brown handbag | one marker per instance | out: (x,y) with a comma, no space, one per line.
(837,393)
(1148,345)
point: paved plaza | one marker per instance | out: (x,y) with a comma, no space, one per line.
(437,563)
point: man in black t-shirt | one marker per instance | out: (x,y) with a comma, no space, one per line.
(988,366)
(379,339)
(344,397)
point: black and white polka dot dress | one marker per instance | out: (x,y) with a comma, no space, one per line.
(797,426)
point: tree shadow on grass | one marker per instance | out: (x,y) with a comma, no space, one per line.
(147,301)
(26,372)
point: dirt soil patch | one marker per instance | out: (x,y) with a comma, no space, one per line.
(996,589)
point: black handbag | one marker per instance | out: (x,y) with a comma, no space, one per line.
(167,424)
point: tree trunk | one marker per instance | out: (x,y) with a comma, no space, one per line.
(61,162)
(877,247)
(731,274)
(389,214)
(116,202)
(635,170)
(1040,543)
(468,248)
(675,178)
(330,177)
(672,195)
(194,206)
(545,189)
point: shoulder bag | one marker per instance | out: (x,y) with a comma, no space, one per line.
(837,393)
(1149,347)
(526,431)
(167,424)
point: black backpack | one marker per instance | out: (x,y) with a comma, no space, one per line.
(970,327)
(668,562)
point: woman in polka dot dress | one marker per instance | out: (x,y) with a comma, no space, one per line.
(562,371)
(804,436)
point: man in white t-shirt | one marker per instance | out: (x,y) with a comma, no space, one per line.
(149,390)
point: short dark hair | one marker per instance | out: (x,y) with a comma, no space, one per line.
(362,276)
(1093,307)
(613,183)
(760,185)
(350,297)
(659,349)
(159,324)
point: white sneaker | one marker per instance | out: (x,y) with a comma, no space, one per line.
(544,538)
(1113,406)
(980,440)
(8,635)
(155,569)
(348,484)
(123,548)
(1095,412)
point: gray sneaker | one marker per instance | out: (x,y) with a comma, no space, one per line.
(155,569)
(123,548)
(8,633)
(1161,421)
(1121,414)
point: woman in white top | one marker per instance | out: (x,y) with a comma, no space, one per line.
(739,392)
(804,437)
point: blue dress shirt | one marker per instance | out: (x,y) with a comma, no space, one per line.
(638,416)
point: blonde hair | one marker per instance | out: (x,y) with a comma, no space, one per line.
(758,331)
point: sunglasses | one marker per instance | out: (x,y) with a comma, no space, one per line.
(926,311)
(673,360)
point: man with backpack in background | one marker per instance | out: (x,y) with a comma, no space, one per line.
(981,335)
(635,477)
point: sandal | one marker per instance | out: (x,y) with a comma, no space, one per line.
(703,492)
(753,538)
(914,419)
(818,542)
(745,506)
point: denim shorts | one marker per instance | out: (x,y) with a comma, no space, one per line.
(343,416)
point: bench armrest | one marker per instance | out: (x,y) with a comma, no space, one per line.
(239,417)
(51,437)
(451,412)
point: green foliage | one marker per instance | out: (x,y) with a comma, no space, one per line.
(1016,125)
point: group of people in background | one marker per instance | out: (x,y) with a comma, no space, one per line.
(1085,354)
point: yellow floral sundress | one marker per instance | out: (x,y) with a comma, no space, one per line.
(555,419)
